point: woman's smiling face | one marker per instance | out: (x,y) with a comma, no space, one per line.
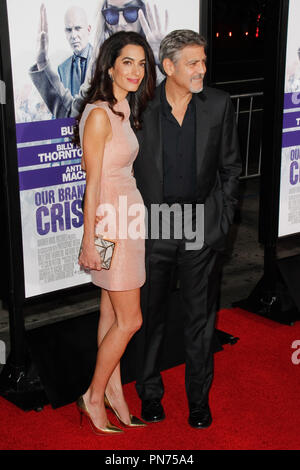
(128,70)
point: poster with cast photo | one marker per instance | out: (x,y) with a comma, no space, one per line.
(289,208)
(46,39)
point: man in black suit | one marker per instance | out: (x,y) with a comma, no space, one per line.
(188,160)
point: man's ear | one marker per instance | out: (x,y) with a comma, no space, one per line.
(168,66)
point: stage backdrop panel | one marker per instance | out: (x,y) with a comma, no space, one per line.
(289,208)
(51,180)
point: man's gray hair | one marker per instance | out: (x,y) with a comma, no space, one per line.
(175,41)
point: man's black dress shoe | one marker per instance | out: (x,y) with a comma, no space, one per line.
(152,411)
(200,416)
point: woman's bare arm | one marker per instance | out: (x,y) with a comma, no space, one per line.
(97,132)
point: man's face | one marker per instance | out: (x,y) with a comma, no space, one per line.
(77,29)
(189,69)
(122,24)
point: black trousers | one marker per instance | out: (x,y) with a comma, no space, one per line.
(199,275)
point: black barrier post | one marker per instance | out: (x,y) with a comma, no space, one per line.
(19,382)
(270,298)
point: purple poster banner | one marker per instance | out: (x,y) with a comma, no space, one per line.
(56,175)
(43,154)
(44,130)
(291,120)
(290,139)
(292,100)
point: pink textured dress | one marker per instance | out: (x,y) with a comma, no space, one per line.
(121,204)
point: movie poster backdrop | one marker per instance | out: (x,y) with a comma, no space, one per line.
(47,94)
(289,209)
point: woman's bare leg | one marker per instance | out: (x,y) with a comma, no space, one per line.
(126,305)
(107,316)
(114,389)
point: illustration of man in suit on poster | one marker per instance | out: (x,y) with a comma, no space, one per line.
(72,71)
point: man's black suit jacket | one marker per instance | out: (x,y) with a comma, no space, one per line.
(217,159)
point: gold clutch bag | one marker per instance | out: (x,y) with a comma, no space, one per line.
(105,248)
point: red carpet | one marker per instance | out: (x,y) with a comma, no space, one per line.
(254,402)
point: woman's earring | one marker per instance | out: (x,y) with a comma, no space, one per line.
(111,77)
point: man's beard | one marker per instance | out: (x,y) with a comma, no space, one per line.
(196,77)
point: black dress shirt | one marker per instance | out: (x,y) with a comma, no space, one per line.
(179,153)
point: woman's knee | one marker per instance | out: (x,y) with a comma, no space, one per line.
(131,323)
(139,322)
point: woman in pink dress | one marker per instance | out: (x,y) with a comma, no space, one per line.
(122,84)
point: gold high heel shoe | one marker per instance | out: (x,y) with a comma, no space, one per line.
(109,428)
(134,421)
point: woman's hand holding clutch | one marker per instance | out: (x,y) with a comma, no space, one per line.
(89,257)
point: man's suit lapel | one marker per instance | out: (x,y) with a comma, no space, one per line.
(154,122)
(202,129)
(67,73)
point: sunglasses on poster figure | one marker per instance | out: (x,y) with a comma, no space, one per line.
(112,14)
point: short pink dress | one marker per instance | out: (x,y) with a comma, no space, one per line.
(121,204)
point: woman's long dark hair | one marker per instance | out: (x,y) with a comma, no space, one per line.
(101,87)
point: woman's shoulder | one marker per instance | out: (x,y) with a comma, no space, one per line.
(98,115)
(96,105)
(96,110)
(95,118)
